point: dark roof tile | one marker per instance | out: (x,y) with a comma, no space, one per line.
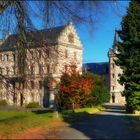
(49,35)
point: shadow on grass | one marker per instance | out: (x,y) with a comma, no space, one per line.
(41,110)
(72,117)
(112,124)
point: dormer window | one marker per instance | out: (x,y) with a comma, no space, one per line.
(71,37)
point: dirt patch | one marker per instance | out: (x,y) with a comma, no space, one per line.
(43,132)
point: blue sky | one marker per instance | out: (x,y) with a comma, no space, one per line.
(96,46)
(96,42)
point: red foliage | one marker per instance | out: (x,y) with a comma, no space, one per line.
(74,88)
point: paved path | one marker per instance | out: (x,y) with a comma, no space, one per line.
(110,124)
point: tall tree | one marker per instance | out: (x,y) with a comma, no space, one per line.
(128,55)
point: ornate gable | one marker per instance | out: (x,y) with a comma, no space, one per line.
(69,36)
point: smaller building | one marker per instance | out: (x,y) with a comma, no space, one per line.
(115,88)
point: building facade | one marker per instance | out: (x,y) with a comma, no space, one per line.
(115,88)
(53,50)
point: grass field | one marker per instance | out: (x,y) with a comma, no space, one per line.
(12,122)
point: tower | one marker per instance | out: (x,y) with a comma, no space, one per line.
(115,88)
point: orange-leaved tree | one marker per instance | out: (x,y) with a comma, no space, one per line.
(75,88)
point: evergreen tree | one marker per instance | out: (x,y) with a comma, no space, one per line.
(99,91)
(128,55)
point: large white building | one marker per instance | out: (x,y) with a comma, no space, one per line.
(53,50)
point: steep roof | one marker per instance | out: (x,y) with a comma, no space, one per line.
(49,35)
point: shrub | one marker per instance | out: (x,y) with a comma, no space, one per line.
(3,103)
(33,105)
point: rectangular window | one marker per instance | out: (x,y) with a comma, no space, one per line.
(113,65)
(113,87)
(14,57)
(113,75)
(40,84)
(32,84)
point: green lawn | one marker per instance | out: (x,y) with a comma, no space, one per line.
(12,122)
